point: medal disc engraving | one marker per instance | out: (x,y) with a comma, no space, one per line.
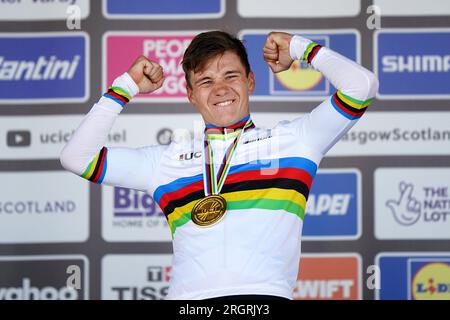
(209,210)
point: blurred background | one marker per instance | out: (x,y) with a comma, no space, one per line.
(378,216)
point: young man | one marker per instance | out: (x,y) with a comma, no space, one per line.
(236,212)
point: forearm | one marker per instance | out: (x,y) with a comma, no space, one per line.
(87,142)
(346,75)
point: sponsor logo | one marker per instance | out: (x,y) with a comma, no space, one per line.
(300,82)
(297,9)
(333,209)
(36,63)
(406,70)
(147,277)
(28,278)
(414,276)
(412,203)
(169,9)
(190,156)
(60,203)
(18,138)
(257,139)
(412,8)
(319,279)
(131,215)
(50,133)
(29,10)
(401,134)
(166,48)
(301,78)
(430,280)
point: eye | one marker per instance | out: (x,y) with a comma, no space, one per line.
(231,76)
(205,83)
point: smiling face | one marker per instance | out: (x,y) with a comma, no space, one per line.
(220,91)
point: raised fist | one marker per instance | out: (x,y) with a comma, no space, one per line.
(276,51)
(147,74)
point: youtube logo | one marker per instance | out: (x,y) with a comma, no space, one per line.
(18,138)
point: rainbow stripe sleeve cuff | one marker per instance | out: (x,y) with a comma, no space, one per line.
(96,170)
(119,95)
(349,107)
(311,51)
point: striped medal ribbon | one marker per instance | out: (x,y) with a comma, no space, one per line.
(211,209)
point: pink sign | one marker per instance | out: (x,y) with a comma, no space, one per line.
(167,49)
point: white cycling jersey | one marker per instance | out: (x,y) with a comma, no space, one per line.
(256,248)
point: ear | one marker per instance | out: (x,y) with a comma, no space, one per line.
(190,95)
(251,82)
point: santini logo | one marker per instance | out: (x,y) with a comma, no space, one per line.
(44,68)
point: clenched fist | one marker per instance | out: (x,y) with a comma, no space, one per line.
(276,51)
(147,74)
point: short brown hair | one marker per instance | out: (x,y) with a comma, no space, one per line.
(208,45)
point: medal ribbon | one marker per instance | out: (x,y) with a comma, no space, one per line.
(213,182)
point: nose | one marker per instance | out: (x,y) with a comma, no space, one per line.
(220,88)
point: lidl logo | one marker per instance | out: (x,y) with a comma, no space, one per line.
(333,209)
(414,276)
(430,280)
(301,81)
(329,277)
(408,70)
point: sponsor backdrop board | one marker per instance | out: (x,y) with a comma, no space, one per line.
(378,214)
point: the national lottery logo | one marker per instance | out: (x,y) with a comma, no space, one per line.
(431,206)
(412,203)
(120,50)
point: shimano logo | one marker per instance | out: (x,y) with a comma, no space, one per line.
(43,68)
(28,292)
(416,63)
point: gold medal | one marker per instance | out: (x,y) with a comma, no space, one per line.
(209,210)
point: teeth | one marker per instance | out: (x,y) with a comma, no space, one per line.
(225,103)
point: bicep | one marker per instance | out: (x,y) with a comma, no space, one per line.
(322,128)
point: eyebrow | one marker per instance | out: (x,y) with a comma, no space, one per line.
(209,78)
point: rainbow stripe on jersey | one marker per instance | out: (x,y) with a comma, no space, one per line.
(349,107)
(270,184)
(119,95)
(96,170)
